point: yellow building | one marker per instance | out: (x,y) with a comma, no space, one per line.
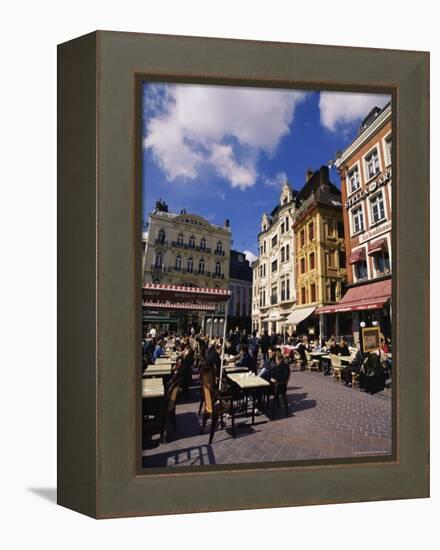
(319,251)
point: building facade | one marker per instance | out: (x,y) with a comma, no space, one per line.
(240,285)
(186,250)
(273,286)
(365,168)
(320,252)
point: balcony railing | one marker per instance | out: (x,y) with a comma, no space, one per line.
(218,276)
(163,242)
(219,252)
(186,246)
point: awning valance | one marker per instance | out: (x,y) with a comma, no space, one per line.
(370,296)
(357,256)
(178,306)
(377,246)
(174,293)
(299,315)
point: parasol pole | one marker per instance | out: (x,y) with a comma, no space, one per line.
(223,347)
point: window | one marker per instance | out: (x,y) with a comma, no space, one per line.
(219,248)
(313,293)
(273,296)
(302,237)
(353,179)
(283,254)
(287,289)
(178,263)
(158,260)
(357,217)
(331,259)
(180,239)
(261,249)
(377,208)
(312,260)
(287,252)
(287,223)
(340,230)
(372,164)
(264,247)
(311,231)
(274,266)
(202,266)
(218,268)
(282,228)
(342,260)
(382,262)
(388,149)
(203,244)
(161,236)
(333,291)
(283,290)
(274,240)
(330,227)
(303,295)
(192,242)
(360,270)
(262,298)
(302,264)
(190,265)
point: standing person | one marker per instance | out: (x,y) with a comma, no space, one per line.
(265,343)
(253,344)
(159,351)
(273,339)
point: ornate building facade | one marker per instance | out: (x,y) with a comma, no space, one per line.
(186,250)
(240,285)
(273,286)
(365,167)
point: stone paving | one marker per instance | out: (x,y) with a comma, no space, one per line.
(326,420)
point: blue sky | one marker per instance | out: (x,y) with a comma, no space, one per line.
(224,152)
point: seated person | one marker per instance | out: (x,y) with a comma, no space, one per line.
(266,371)
(354,367)
(344,350)
(246,360)
(158,351)
(281,372)
(301,348)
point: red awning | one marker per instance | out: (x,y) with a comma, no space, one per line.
(370,296)
(179,294)
(377,246)
(357,256)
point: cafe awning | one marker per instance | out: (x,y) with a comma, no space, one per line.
(183,294)
(357,256)
(377,246)
(370,296)
(299,315)
(178,306)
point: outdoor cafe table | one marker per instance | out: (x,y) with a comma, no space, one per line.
(150,389)
(164,361)
(249,383)
(157,370)
(231,369)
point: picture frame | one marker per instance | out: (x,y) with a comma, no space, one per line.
(370,339)
(99,237)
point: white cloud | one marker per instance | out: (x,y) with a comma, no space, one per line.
(227,128)
(340,109)
(277,181)
(250,255)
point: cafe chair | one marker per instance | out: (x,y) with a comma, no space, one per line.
(169,409)
(312,364)
(215,405)
(336,367)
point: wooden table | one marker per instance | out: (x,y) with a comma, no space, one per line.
(317,353)
(249,383)
(163,361)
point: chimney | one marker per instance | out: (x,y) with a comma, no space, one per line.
(227,223)
(309,173)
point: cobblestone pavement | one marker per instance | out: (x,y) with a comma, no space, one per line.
(326,420)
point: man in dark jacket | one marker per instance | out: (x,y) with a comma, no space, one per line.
(264,343)
(213,359)
(245,359)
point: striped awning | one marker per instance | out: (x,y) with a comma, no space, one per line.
(357,256)
(179,294)
(377,246)
(178,305)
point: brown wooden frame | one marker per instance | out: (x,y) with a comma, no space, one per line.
(99,301)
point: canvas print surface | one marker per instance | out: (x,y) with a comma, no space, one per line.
(266,257)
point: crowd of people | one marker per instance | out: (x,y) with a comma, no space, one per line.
(267,355)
